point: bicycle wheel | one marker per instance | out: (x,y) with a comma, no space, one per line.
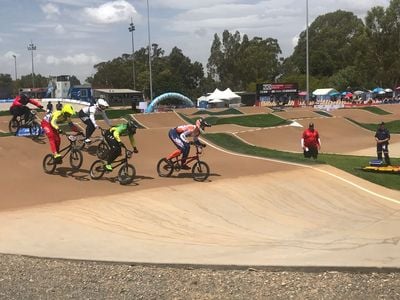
(76,158)
(13,125)
(49,164)
(126,174)
(102,150)
(200,171)
(165,167)
(35,129)
(97,169)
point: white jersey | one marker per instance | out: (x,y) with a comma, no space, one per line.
(89,112)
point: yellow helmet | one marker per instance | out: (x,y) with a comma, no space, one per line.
(68,110)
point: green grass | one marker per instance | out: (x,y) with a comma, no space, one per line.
(375,110)
(4,113)
(229,111)
(392,126)
(350,164)
(260,120)
(2,134)
(323,113)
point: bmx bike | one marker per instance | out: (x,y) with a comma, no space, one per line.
(102,147)
(200,169)
(75,156)
(32,123)
(126,174)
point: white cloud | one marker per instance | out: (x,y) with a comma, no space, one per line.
(190,4)
(51,10)
(111,12)
(59,29)
(77,59)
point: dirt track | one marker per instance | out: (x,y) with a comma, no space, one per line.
(251,211)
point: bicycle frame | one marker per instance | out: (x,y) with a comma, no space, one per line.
(69,147)
(115,164)
(196,157)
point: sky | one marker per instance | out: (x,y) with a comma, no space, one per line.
(71,36)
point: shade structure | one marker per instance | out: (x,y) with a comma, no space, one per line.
(377,90)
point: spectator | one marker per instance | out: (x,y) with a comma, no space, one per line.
(59,105)
(382,137)
(310,142)
(49,107)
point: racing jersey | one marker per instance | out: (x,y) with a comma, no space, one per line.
(311,138)
(57,118)
(186,131)
(122,129)
(91,111)
(20,102)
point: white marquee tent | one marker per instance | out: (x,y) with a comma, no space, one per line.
(219,98)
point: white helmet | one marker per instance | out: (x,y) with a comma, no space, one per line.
(102,104)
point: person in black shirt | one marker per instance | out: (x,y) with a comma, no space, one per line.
(382,137)
(59,105)
(49,107)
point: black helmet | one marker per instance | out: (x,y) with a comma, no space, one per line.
(24,99)
(201,124)
(131,127)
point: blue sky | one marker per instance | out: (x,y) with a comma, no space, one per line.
(73,35)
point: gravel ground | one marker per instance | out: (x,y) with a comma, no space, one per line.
(35,278)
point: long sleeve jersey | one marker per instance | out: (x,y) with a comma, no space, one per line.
(122,129)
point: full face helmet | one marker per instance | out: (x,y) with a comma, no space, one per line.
(24,99)
(131,126)
(201,124)
(68,110)
(102,104)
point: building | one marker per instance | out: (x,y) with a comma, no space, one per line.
(119,97)
(81,92)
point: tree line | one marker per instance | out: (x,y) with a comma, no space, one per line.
(344,52)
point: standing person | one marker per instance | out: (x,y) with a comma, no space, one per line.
(59,105)
(50,125)
(179,136)
(87,115)
(113,139)
(382,137)
(310,142)
(19,106)
(49,107)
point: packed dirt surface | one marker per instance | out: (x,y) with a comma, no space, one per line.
(250,211)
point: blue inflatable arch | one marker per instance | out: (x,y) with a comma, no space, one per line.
(162,97)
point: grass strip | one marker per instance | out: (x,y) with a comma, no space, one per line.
(392,126)
(229,111)
(350,164)
(376,110)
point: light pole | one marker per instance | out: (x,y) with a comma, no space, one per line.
(148,34)
(307,59)
(32,47)
(15,66)
(131,30)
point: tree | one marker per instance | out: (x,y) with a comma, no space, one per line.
(238,62)
(332,41)
(6,86)
(381,61)
(74,81)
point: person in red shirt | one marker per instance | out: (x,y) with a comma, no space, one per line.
(310,142)
(19,106)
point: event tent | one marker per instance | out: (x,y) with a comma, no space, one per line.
(220,98)
(325,94)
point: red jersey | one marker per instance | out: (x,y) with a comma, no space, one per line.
(19,102)
(311,138)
